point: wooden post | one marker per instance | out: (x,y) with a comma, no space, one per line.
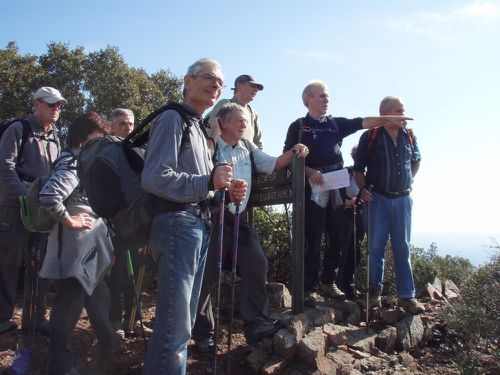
(298,181)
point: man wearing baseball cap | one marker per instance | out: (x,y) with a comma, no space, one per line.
(28,148)
(245,88)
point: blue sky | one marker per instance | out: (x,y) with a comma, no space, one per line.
(441,57)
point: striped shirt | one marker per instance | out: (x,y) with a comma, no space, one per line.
(388,164)
(178,174)
(264,163)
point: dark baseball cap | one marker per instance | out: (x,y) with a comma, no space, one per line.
(244,78)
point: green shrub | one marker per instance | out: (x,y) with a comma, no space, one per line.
(272,226)
(274,232)
(476,316)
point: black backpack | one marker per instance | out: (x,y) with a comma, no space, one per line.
(27,131)
(109,169)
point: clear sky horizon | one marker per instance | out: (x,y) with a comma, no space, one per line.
(442,58)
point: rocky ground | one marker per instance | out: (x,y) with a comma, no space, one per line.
(437,356)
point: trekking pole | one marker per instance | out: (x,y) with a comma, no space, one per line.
(357,203)
(234,254)
(354,242)
(130,271)
(35,250)
(138,288)
(368,236)
(220,248)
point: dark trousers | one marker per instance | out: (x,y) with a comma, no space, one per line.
(121,286)
(252,266)
(318,221)
(35,288)
(352,256)
(69,302)
(16,241)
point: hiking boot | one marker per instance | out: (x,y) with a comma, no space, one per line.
(411,305)
(332,290)
(138,330)
(206,345)
(310,299)
(374,296)
(262,329)
(350,292)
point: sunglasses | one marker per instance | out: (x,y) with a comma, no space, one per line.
(54,105)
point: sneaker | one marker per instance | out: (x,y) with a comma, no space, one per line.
(350,292)
(374,299)
(206,345)
(7,326)
(332,290)
(310,299)
(120,333)
(138,330)
(411,305)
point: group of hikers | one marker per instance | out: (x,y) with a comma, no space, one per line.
(200,181)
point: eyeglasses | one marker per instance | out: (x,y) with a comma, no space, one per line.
(211,78)
(59,105)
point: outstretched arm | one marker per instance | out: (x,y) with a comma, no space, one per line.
(372,122)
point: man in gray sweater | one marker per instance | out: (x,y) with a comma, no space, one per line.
(178,171)
(21,162)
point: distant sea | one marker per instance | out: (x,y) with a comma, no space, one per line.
(474,246)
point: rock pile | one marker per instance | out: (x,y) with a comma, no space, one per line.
(332,339)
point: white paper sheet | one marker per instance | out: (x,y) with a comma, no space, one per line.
(333,180)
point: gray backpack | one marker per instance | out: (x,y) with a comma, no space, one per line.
(109,169)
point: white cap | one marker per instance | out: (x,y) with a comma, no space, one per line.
(49,95)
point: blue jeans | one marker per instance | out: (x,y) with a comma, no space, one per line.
(386,217)
(179,242)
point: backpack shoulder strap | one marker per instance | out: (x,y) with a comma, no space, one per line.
(27,132)
(372,135)
(140,134)
(301,129)
(409,131)
(186,120)
(252,160)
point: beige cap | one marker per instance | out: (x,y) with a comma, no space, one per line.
(49,95)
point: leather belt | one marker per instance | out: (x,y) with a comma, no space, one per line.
(200,209)
(392,194)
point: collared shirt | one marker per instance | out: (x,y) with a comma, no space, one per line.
(388,164)
(323,138)
(178,174)
(40,151)
(264,163)
(252,131)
